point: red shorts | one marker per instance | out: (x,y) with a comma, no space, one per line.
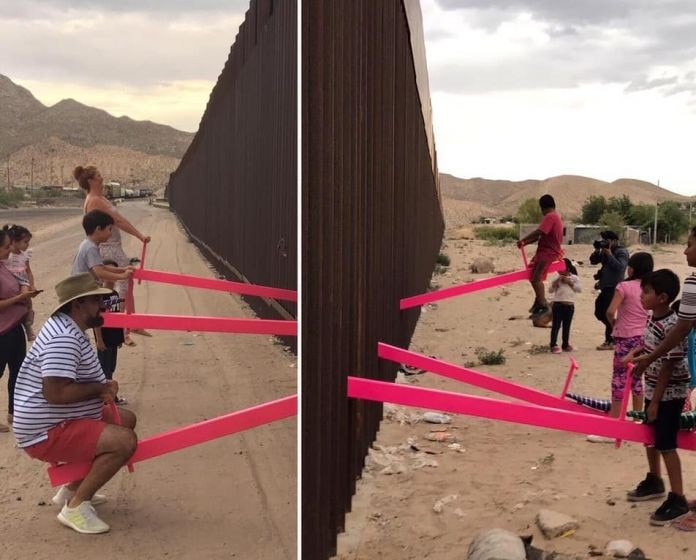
(72,441)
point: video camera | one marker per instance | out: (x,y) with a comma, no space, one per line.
(601,244)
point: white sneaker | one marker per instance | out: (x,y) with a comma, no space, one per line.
(63,496)
(82,519)
(600,439)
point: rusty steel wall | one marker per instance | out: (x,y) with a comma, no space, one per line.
(372,227)
(235,190)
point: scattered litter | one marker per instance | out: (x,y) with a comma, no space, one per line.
(437,418)
(442,502)
(188,343)
(456,447)
(442,437)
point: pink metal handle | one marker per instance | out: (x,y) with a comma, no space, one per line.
(624,401)
(524,256)
(116,416)
(571,371)
(142,260)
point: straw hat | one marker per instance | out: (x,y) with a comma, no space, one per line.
(78,286)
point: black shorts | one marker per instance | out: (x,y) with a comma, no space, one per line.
(667,424)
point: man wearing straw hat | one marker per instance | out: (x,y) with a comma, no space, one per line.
(61,396)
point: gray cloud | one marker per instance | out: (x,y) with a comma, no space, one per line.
(34,8)
(133,49)
(618,41)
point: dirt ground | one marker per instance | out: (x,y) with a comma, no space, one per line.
(231,498)
(502,474)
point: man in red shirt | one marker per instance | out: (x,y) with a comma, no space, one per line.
(549,234)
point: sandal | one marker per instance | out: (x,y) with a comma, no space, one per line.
(141,332)
(686,523)
(4,429)
(128,341)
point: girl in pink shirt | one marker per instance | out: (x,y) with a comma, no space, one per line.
(628,318)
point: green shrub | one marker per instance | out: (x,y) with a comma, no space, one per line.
(490,357)
(505,234)
(443,259)
(10,198)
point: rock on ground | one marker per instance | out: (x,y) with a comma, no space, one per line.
(496,544)
(554,524)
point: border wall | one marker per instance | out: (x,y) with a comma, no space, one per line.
(372,226)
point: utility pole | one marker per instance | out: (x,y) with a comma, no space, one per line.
(8,173)
(655,227)
(32,174)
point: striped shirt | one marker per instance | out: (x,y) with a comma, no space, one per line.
(678,385)
(61,349)
(687,305)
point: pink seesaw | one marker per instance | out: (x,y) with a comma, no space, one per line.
(475,286)
(188,436)
(214,284)
(517,413)
(200,324)
(482,380)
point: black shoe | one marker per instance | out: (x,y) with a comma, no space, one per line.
(539,310)
(649,489)
(672,508)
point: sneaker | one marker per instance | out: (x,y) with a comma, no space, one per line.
(673,508)
(569,348)
(606,346)
(555,349)
(64,494)
(82,519)
(651,488)
(600,439)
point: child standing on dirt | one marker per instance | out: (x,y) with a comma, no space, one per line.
(18,264)
(563,288)
(110,339)
(666,387)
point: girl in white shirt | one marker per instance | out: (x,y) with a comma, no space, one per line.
(563,288)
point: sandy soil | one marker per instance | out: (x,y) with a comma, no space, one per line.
(230,498)
(504,473)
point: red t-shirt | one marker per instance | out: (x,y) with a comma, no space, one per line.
(549,246)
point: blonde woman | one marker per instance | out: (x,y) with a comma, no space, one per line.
(92,182)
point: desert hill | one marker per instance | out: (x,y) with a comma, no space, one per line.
(467,199)
(46,143)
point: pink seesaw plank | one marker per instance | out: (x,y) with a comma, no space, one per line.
(200,324)
(517,413)
(475,286)
(478,379)
(214,284)
(194,434)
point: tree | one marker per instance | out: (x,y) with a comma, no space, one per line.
(615,222)
(593,209)
(621,205)
(642,215)
(529,212)
(672,221)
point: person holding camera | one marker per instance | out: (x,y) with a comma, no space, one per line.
(614,258)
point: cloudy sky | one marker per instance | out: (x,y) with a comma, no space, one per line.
(529,89)
(148,59)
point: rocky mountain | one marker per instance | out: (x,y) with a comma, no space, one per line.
(467,199)
(46,143)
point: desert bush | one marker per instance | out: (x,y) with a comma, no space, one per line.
(496,233)
(490,357)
